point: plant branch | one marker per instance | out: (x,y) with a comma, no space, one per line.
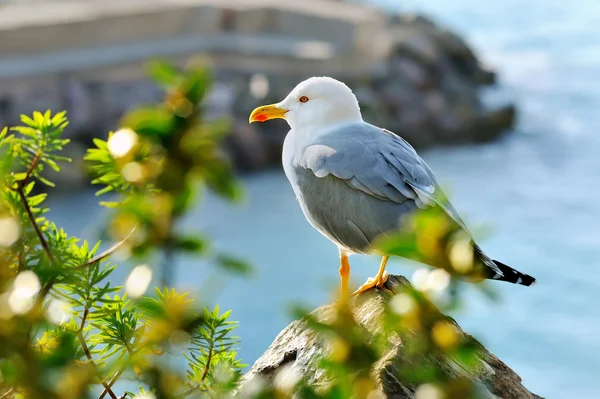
(211,349)
(38,232)
(46,289)
(83,319)
(33,165)
(107,386)
(106,253)
(20,187)
(86,350)
(111,382)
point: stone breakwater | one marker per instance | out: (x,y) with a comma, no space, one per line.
(427,89)
(411,75)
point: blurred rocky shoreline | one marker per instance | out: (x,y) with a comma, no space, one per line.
(411,75)
(428,90)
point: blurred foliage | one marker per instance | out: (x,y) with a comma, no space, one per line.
(67,328)
(157,163)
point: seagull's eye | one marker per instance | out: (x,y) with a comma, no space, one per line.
(303,99)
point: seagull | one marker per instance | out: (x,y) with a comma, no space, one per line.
(356,182)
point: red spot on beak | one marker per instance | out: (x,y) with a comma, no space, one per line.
(261,117)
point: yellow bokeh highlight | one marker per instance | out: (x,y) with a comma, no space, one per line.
(339,350)
(445,334)
(461,256)
(133,172)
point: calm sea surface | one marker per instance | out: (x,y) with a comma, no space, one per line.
(536,188)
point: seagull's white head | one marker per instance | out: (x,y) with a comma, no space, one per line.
(315,102)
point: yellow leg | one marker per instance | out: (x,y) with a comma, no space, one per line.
(378,281)
(345,276)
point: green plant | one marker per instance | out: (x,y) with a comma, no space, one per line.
(66,325)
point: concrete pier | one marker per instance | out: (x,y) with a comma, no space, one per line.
(52,52)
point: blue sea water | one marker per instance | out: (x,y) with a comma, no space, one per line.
(537,188)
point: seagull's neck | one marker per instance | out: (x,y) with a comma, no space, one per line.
(313,131)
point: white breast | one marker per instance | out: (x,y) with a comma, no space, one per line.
(287,158)
(293,148)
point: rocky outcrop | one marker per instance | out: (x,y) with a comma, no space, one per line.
(296,349)
(429,91)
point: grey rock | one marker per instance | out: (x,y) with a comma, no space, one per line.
(297,349)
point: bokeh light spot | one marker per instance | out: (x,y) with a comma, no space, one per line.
(438,280)
(259,86)
(444,334)
(461,256)
(122,142)
(429,391)
(25,287)
(138,281)
(287,378)
(402,304)
(419,279)
(9,231)
(144,395)
(58,311)
(133,172)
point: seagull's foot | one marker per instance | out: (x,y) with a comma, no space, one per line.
(377,281)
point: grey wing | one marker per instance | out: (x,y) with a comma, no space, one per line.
(379,164)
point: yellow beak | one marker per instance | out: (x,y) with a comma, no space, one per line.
(267,112)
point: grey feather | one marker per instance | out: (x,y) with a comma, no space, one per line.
(358,181)
(350,217)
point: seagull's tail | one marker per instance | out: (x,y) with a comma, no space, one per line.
(510,275)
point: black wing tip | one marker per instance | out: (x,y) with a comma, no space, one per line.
(514,276)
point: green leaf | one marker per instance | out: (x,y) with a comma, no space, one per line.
(150,121)
(19,176)
(105,190)
(101,144)
(26,131)
(27,120)
(163,72)
(46,181)
(51,163)
(59,118)
(220,179)
(190,244)
(38,118)
(196,84)
(233,264)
